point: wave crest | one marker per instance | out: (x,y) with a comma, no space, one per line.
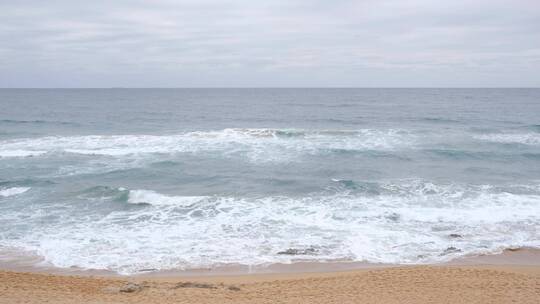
(13,191)
(20,153)
(155,198)
(256,144)
(532,139)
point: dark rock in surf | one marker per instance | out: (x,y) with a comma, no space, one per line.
(394,217)
(450,250)
(455,236)
(296,251)
(147,270)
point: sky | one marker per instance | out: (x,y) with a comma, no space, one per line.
(261,43)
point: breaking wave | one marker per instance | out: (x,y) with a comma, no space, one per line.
(154,198)
(532,139)
(408,221)
(13,191)
(20,153)
(257,144)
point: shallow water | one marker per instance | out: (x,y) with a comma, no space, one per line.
(133,179)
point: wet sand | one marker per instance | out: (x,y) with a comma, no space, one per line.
(512,277)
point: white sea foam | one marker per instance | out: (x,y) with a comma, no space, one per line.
(13,191)
(154,198)
(409,222)
(256,144)
(512,138)
(20,153)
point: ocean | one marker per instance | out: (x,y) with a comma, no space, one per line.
(175,179)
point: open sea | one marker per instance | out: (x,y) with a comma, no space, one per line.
(132,179)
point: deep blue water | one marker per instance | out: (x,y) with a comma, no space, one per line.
(126,179)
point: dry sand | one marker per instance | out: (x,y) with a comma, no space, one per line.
(464,283)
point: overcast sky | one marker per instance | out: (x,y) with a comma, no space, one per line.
(279,43)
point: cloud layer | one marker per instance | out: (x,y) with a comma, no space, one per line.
(236,43)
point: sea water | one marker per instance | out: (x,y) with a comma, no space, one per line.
(131,179)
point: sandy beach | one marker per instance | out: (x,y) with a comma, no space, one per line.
(513,277)
(250,152)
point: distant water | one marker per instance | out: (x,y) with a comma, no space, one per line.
(187,178)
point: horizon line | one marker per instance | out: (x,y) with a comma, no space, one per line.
(248,87)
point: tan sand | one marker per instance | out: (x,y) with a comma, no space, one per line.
(426,284)
(457,283)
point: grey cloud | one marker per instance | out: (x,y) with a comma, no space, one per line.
(269,43)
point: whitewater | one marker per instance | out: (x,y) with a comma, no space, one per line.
(165,179)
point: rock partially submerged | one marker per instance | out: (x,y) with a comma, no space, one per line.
(450,250)
(394,217)
(455,235)
(297,251)
(148,270)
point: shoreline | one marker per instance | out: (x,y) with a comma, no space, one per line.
(512,276)
(31,264)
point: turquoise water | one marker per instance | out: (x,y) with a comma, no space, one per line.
(130,179)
